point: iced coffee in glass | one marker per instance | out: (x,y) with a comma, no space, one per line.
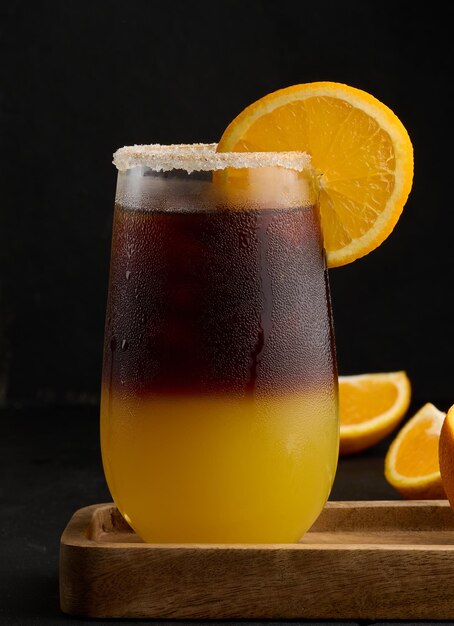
(219,414)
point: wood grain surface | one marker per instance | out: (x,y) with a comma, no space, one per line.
(360,560)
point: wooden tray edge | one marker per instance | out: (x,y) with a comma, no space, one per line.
(282,581)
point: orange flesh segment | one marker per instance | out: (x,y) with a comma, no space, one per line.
(356,407)
(322,126)
(420,438)
(361,154)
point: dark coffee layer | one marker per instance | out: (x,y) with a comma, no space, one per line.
(225,301)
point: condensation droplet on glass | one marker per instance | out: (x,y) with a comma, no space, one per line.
(128,274)
(124,345)
(130,250)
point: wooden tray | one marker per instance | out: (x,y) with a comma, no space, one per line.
(360,560)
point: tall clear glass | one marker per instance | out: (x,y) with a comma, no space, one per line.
(219,411)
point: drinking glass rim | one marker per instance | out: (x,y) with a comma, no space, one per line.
(203,157)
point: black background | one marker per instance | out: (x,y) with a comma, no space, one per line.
(80,79)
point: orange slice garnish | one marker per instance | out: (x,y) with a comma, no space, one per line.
(360,150)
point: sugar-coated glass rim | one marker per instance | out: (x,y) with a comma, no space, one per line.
(203,157)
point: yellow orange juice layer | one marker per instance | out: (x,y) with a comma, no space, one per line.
(220,469)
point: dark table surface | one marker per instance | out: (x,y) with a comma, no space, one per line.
(50,466)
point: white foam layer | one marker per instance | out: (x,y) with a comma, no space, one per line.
(203,157)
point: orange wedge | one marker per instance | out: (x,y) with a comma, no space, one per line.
(370,407)
(411,464)
(446,455)
(361,153)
